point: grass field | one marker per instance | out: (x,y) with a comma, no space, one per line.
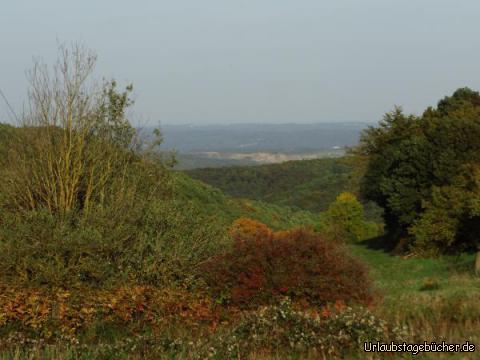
(438,299)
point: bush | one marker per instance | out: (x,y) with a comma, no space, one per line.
(299,263)
(58,314)
(284,329)
(345,220)
(151,241)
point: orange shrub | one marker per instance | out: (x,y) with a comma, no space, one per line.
(299,263)
(49,313)
(248,229)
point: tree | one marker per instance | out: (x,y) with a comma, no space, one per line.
(393,147)
(451,219)
(423,172)
(72,140)
(345,220)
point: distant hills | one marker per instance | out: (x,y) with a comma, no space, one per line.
(285,138)
(249,144)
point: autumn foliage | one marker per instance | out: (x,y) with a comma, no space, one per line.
(55,313)
(299,263)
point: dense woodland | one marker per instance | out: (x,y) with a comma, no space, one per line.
(305,185)
(106,252)
(309,184)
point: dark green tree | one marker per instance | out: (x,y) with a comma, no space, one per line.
(422,171)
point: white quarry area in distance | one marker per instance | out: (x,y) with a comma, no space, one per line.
(272,158)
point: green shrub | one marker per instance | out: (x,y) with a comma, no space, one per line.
(156,242)
(345,221)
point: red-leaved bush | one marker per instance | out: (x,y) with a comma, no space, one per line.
(297,263)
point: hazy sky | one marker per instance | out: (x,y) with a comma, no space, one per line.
(224,61)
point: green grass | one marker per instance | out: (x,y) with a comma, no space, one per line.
(397,276)
(438,299)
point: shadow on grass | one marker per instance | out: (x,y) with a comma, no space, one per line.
(459,263)
(383,243)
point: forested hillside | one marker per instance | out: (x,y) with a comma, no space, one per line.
(307,184)
(215,203)
(310,185)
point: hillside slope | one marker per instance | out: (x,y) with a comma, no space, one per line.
(214,202)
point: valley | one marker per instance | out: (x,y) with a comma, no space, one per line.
(240,241)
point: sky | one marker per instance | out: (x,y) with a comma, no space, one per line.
(254,61)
